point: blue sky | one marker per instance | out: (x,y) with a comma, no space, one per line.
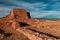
(37,8)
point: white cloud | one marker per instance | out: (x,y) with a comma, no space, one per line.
(36,9)
(4,11)
(32,6)
(43,14)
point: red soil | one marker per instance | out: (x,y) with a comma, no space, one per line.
(23,27)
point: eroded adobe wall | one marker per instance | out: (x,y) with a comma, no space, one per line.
(39,25)
(21,13)
(17,13)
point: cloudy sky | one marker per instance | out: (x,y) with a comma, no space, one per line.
(37,8)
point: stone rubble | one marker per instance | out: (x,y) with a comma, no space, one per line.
(19,22)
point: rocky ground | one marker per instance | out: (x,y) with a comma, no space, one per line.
(19,26)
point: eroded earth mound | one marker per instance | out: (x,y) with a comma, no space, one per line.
(18,25)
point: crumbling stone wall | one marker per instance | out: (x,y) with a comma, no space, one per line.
(21,16)
(22,13)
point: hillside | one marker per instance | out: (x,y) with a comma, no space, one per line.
(18,25)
